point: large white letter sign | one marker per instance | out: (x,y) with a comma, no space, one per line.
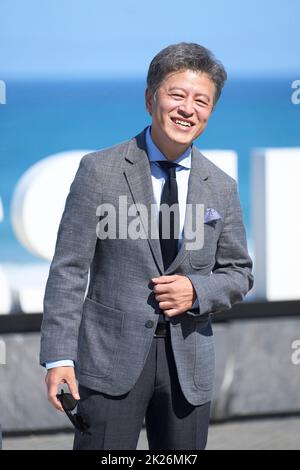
(224,159)
(276,222)
(39,199)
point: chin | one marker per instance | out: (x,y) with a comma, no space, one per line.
(181,140)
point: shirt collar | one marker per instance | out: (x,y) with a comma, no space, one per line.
(154,154)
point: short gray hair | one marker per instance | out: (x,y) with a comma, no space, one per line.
(185,56)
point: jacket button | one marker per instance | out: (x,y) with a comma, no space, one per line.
(149,324)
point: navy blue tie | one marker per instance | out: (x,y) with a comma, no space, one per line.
(169,226)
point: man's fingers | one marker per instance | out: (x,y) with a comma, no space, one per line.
(163,297)
(165,305)
(172,312)
(57,376)
(52,391)
(164,279)
(161,289)
(73,387)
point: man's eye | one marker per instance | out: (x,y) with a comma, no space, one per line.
(175,95)
(201,103)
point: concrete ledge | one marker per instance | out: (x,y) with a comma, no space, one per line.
(254,371)
(31,322)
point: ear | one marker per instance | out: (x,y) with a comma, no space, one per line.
(148,101)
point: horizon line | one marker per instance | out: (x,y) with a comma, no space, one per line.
(137,77)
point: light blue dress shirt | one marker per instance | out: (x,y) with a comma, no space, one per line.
(158,176)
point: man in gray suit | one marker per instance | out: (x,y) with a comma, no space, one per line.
(140,341)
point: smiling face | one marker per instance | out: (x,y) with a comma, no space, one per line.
(180,110)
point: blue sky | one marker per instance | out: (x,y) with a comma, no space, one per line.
(95,38)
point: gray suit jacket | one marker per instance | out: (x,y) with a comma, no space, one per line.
(108,333)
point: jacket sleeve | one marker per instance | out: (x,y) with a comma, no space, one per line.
(231,277)
(68,275)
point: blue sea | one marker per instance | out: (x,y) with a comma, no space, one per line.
(43,118)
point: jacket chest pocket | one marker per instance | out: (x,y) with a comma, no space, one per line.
(205,256)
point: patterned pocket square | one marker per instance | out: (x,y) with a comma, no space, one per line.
(211,215)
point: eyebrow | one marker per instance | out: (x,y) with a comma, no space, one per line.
(182,89)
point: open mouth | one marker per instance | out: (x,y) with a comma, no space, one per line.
(182,123)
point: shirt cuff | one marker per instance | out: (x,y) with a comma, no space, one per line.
(64,363)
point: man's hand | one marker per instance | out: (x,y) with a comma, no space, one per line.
(175,294)
(57,376)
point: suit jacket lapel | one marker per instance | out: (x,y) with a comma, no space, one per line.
(197,194)
(138,176)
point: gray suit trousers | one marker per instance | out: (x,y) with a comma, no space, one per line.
(171,421)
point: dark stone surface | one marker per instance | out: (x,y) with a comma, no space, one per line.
(265,380)
(23,400)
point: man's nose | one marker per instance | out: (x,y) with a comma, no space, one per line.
(187,107)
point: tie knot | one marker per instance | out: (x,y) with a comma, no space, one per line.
(169,167)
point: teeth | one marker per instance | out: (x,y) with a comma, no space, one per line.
(183,123)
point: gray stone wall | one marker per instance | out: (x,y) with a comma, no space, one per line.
(254,375)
